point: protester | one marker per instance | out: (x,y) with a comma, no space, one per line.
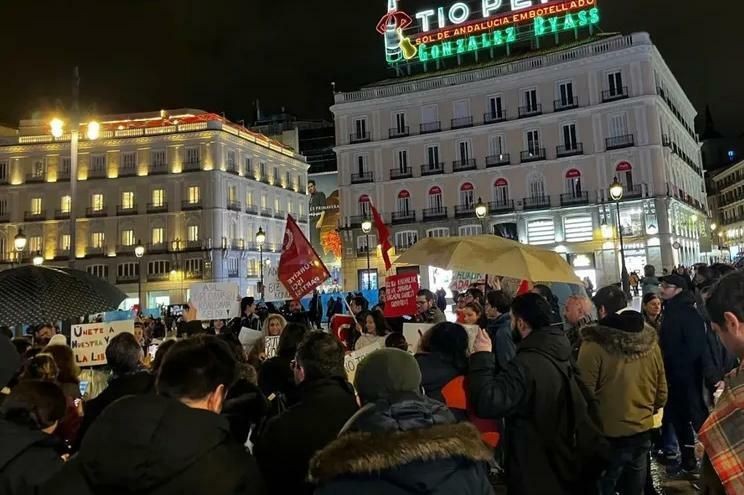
(396,340)
(273,326)
(547,294)
(473,314)
(68,381)
(315,311)
(28,451)
(373,330)
(5,331)
(473,294)
(10,363)
(498,326)
(621,364)
(357,304)
(400,441)
(248,317)
(441,299)
(327,401)
(297,313)
(427,311)
(578,314)
(275,377)
(651,309)
(381,299)
(160,356)
(43,334)
(634,280)
(217,327)
(331,309)
(172,442)
(42,366)
(444,357)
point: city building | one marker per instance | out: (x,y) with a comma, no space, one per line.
(539,137)
(726,201)
(190,186)
(718,150)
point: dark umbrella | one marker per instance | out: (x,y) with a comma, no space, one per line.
(38,294)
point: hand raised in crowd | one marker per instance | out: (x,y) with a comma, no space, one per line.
(189,313)
(482,342)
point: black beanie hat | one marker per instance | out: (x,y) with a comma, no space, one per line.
(386,372)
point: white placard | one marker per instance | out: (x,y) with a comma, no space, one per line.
(216,300)
(413,331)
(352,360)
(271,346)
(274,290)
(89,341)
(248,337)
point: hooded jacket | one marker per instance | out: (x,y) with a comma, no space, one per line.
(409,445)
(159,446)
(500,331)
(620,362)
(27,458)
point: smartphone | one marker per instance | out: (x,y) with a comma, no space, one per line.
(84,385)
(152,350)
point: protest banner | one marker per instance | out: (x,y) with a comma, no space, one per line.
(271,346)
(274,290)
(352,360)
(300,268)
(400,294)
(248,337)
(89,341)
(216,300)
(340,326)
(413,332)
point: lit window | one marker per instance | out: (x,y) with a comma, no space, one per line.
(127,200)
(97,240)
(158,235)
(64,204)
(96,202)
(194,194)
(64,243)
(36,206)
(127,237)
(158,197)
(193,233)
(35,244)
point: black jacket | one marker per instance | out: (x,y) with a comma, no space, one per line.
(244,407)
(159,446)
(289,440)
(27,458)
(500,331)
(408,446)
(436,372)
(529,393)
(275,376)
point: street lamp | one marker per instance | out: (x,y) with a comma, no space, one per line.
(616,194)
(367,228)
(139,252)
(481,211)
(260,239)
(19,241)
(38,259)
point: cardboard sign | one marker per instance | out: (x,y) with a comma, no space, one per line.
(271,346)
(89,341)
(216,300)
(413,332)
(400,294)
(352,360)
(248,337)
(274,290)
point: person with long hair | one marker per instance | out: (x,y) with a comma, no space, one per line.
(275,377)
(374,328)
(42,366)
(444,357)
(68,376)
(651,309)
(273,326)
(473,314)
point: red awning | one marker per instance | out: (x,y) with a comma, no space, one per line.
(623,167)
(572,174)
(435,190)
(466,187)
(500,182)
(404,194)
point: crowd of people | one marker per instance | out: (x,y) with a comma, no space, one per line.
(543,399)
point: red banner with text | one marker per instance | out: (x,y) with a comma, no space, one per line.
(400,294)
(300,268)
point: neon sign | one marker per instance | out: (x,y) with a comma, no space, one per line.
(461,28)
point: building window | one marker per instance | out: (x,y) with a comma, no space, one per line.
(64,204)
(400,122)
(463,151)
(276,175)
(541,231)
(127,200)
(249,198)
(127,270)
(193,233)
(127,237)
(438,232)
(38,168)
(98,164)
(158,198)
(100,271)
(624,173)
(360,128)
(277,205)
(36,206)
(232,193)
(361,164)
(565,94)
(35,244)
(161,267)
(288,179)
(193,266)
(129,162)
(362,246)
(402,160)
(157,159)
(231,165)
(618,125)
(530,100)
(568,134)
(248,163)
(64,168)
(364,210)
(4,167)
(501,191)
(496,145)
(96,202)
(429,114)
(435,198)
(193,195)
(533,142)
(615,83)
(192,156)
(573,183)
(495,108)
(578,228)
(536,186)
(64,242)
(432,155)
(262,170)
(404,202)
(468,230)
(467,195)
(158,235)
(405,239)
(97,240)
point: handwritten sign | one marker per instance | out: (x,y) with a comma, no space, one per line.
(89,341)
(274,290)
(400,292)
(271,346)
(413,332)
(352,360)
(216,301)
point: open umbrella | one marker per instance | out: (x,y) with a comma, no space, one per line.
(491,254)
(39,294)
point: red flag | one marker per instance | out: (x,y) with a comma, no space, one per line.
(300,268)
(384,235)
(524,287)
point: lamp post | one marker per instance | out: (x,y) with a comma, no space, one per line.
(139,252)
(481,211)
(260,239)
(616,194)
(367,228)
(19,242)
(38,259)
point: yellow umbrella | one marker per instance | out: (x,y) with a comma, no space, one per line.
(491,254)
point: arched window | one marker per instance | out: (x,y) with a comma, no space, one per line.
(624,172)
(467,192)
(364,205)
(536,186)
(501,191)
(573,183)
(435,198)
(404,202)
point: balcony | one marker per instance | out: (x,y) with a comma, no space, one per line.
(401,173)
(435,213)
(193,246)
(237,244)
(194,275)
(4,217)
(359,137)
(252,209)
(565,104)
(396,132)
(493,117)
(496,207)
(188,205)
(355,221)
(462,122)
(157,207)
(430,127)
(123,210)
(96,173)
(232,170)
(498,160)
(33,178)
(159,169)
(432,169)
(93,251)
(617,142)
(634,191)
(536,203)
(533,155)
(62,254)
(61,214)
(267,212)
(157,248)
(280,214)
(158,277)
(570,150)
(127,278)
(191,166)
(464,211)
(127,172)
(401,217)
(362,178)
(614,94)
(462,165)
(34,216)
(92,212)
(530,110)
(63,176)
(233,205)
(125,249)
(362,252)
(570,199)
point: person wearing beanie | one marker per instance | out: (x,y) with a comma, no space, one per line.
(400,441)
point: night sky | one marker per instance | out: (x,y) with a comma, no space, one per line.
(221,55)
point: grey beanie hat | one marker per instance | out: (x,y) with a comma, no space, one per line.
(386,372)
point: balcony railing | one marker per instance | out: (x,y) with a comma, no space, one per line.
(4,217)
(363,251)
(565,104)
(280,214)
(34,216)
(233,205)
(193,246)
(401,217)
(232,170)
(33,178)
(122,210)
(617,142)
(192,166)
(188,205)
(61,215)
(158,277)
(267,212)
(96,173)
(362,178)
(157,248)
(125,249)
(432,168)
(63,175)
(127,172)
(570,150)
(460,165)
(157,207)
(159,169)
(401,173)
(95,251)
(498,160)
(530,110)
(493,117)
(464,211)
(532,155)
(495,207)
(614,94)
(127,278)
(359,137)
(194,275)
(435,213)
(252,209)
(461,122)
(634,191)
(536,203)
(579,198)
(237,244)
(396,132)
(356,220)
(430,127)
(91,212)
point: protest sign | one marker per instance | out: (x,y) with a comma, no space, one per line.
(89,341)
(352,360)
(274,290)
(216,300)
(413,332)
(271,346)
(400,294)
(248,337)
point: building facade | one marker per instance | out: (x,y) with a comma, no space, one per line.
(539,139)
(192,187)
(727,205)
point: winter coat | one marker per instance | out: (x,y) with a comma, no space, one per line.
(500,331)
(244,407)
(432,316)
(529,393)
(289,441)
(253,322)
(407,446)
(620,362)
(436,372)
(275,376)
(28,457)
(650,285)
(159,446)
